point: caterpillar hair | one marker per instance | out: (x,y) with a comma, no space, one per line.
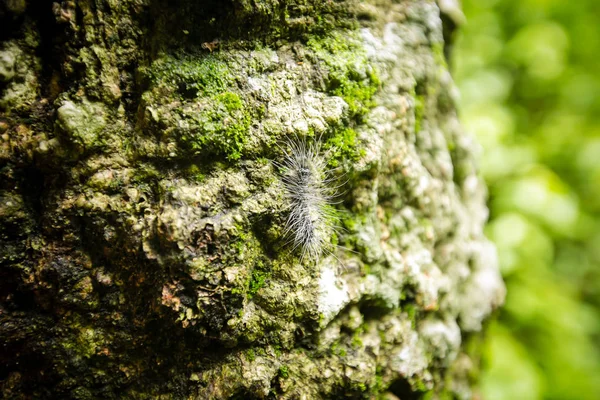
(311,220)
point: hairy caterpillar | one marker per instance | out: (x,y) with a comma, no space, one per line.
(311,221)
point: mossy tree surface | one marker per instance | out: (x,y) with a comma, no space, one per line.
(141,216)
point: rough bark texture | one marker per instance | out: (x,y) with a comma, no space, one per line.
(141,215)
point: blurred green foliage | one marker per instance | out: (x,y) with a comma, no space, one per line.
(529,75)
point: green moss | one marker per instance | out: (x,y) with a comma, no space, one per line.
(355,91)
(411,311)
(250,354)
(85,344)
(350,75)
(379,381)
(222,126)
(192,74)
(343,145)
(283,372)
(419,112)
(350,224)
(366,269)
(230,101)
(194,174)
(356,341)
(419,385)
(201,103)
(144,174)
(321,319)
(258,278)
(260,352)
(357,336)
(337,349)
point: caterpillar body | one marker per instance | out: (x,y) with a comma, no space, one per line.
(311,221)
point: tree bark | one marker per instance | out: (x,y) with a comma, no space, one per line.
(142,243)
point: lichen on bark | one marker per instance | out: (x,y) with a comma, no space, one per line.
(141,216)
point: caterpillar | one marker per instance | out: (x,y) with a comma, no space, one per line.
(311,221)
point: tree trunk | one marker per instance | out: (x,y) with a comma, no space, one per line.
(143,211)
